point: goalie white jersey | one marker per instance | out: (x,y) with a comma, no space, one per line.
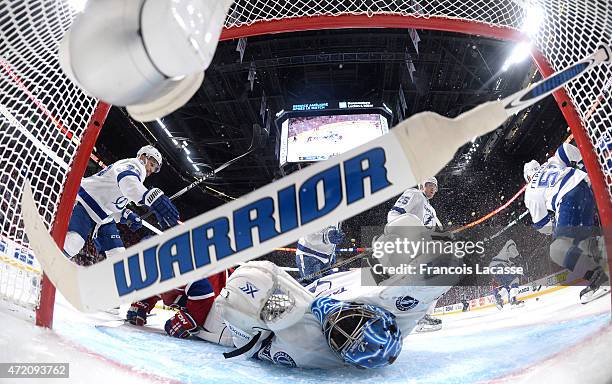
(301,343)
(546,190)
(105,194)
(414,201)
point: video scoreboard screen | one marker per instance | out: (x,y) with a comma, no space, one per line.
(318,131)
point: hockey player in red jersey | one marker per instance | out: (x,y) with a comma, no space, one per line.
(195,313)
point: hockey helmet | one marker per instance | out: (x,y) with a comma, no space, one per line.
(431,180)
(151,152)
(363,335)
(569,155)
(529,169)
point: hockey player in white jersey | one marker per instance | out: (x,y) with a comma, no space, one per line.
(416,202)
(510,283)
(561,203)
(102,200)
(317,251)
(335,321)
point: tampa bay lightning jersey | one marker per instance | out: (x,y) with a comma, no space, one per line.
(546,189)
(303,343)
(105,194)
(414,201)
(506,256)
(317,245)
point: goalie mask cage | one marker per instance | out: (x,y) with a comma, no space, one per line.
(48,126)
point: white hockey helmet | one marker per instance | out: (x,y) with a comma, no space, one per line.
(529,169)
(430,179)
(569,155)
(151,152)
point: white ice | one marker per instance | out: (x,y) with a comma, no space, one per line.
(554,339)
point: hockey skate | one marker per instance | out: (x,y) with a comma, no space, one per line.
(499,302)
(428,324)
(515,303)
(597,285)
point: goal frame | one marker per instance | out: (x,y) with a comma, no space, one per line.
(44,313)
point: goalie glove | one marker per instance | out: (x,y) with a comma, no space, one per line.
(166,213)
(181,325)
(131,219)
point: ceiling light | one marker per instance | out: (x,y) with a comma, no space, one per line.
(520,52)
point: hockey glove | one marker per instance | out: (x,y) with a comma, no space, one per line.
(137,314)
(335,236)
(166,213)
(181,325)
(132,220)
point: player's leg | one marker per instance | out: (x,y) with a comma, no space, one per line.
(513,290)
(79,228)
(108,240)
(307,265)
(572,236)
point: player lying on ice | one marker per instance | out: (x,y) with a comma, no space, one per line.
(560,201)
(337,320)
(195,313)
(102,199)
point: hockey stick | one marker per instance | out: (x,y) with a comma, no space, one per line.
(336,265)
(256,143)
(280,212)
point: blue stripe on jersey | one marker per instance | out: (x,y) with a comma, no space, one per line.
(563,182)
(398,209)
(563,156)
(91,203)
(123,174)
(311,251)
(542,222)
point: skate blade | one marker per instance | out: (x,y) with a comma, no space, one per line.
(590,296)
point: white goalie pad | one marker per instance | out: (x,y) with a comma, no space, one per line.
(261,295)
(148,55)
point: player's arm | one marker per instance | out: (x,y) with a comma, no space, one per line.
(541,219)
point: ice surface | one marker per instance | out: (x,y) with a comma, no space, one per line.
(554,337)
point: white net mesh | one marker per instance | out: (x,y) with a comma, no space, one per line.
(563,31)
(42,119)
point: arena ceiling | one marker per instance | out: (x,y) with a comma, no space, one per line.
(451,73)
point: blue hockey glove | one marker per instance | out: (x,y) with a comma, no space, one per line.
(131,219)
(335,236)
(166,213)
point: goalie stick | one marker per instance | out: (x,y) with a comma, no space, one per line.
(279,213)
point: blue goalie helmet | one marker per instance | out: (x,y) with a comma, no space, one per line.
(362,335)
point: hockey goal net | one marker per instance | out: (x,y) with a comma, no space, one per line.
(48,126)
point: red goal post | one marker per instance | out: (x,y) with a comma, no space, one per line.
(49,126)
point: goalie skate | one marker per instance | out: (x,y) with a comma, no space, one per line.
(428,324)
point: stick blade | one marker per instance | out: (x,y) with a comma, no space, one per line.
(61,271)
